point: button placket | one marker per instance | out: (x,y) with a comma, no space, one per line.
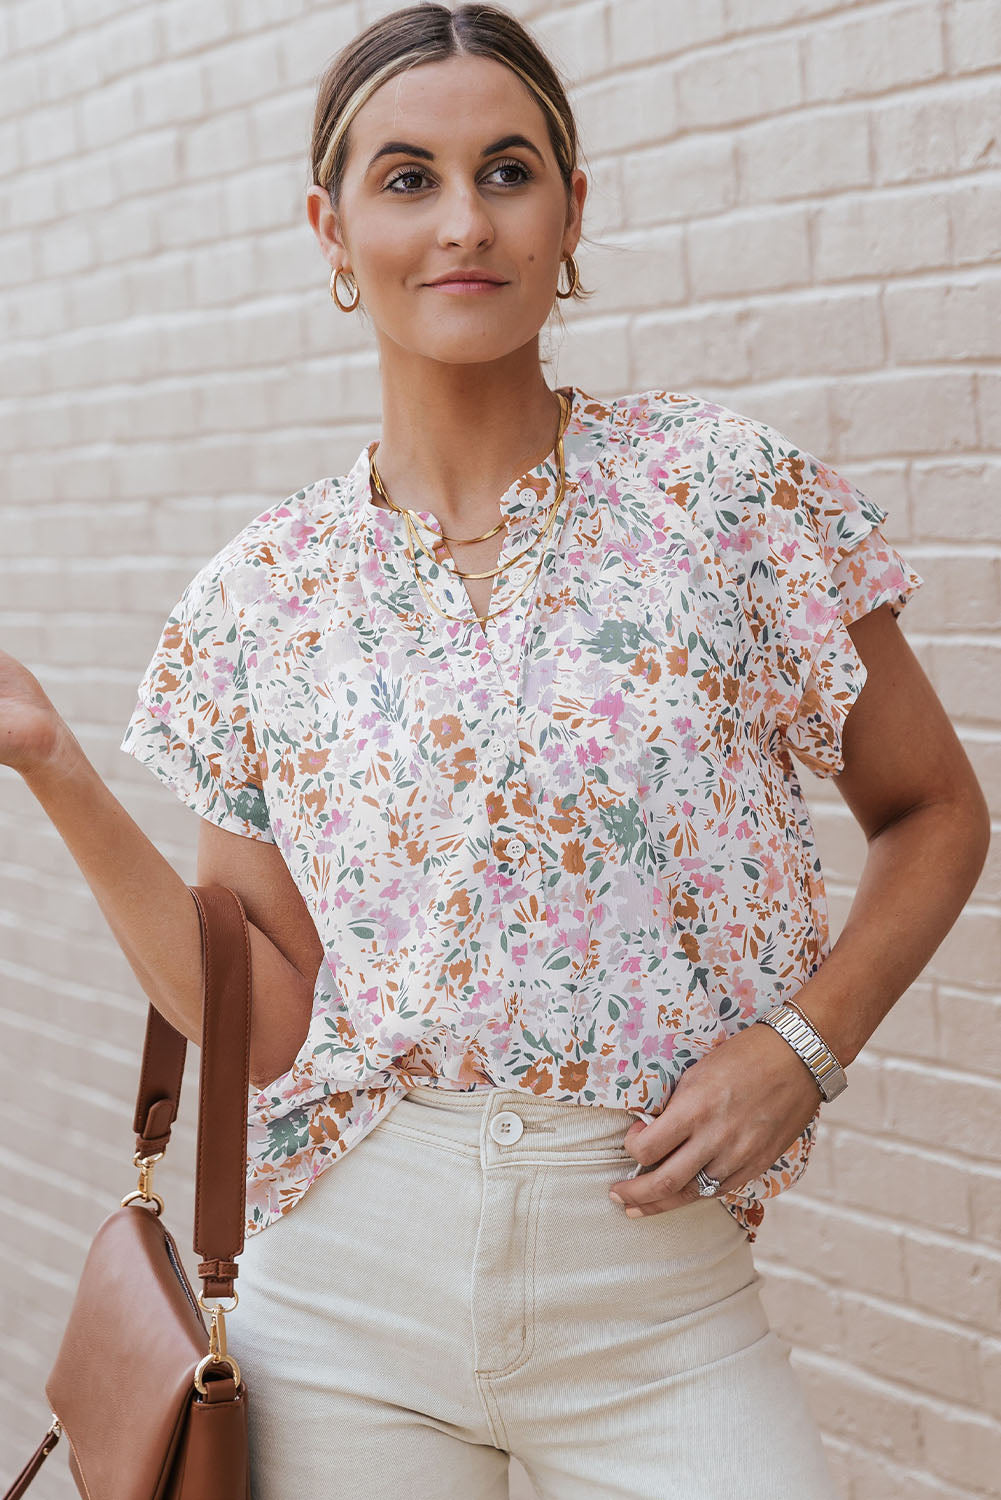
(500,765)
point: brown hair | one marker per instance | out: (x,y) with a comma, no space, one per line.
(429,33)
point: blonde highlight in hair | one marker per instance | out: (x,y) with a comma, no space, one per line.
(361,95)
(427,33)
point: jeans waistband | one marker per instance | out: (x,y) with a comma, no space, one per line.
(511,1124)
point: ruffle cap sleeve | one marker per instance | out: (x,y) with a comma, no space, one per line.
(814,561)
(192,723)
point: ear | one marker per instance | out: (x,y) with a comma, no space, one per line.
(326,225)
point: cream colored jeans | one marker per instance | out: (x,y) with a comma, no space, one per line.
(459,1288)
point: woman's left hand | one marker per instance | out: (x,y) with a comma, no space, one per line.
(732,1114)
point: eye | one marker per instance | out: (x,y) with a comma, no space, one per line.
(506,166)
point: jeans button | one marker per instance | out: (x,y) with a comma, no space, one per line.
(506,1127)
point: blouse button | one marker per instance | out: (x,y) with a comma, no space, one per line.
(495,749)
(516,848)
(503,651)
(506,1127)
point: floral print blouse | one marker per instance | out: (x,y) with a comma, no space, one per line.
(568,853)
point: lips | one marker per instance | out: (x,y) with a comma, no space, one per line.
(454,276)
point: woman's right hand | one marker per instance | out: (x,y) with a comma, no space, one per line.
(31,728)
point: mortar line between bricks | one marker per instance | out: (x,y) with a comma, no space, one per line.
(928,1233)
(909,1312)
(944,1487)
(805,1354)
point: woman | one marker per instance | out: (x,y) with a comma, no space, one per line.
(493,735)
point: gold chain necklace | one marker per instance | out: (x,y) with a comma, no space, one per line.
(415,539)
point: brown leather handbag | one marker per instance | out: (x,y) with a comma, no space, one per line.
(152,1405)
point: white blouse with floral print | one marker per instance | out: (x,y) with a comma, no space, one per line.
(568,853)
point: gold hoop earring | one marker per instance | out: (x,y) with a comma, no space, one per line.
(574,276)
(344,306)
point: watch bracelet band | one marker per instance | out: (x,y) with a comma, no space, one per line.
(790,1023)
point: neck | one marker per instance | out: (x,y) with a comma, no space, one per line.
(453,445)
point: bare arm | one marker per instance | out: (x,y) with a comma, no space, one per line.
(152,914)
(911,788)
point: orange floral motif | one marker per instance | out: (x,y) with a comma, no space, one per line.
(573,857)
(690,946)
(473,1068)
(460,972)
(312,762)
(463,766)
(522,802)
(496,807)
(416,851)
(645,664)
(458,904)
(786,494)
(324,1127)
(538,1079)
(573,1077)
(446,731)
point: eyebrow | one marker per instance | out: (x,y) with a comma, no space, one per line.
(402,148)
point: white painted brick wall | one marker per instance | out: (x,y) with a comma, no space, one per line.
(798,210)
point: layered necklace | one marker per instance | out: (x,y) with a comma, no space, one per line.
(413,520)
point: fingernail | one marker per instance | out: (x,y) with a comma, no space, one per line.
(634,1213)
(616,1199)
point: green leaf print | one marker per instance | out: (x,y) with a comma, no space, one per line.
(388,698)
(288,1134)
(624,824)
(618,641)
(250,804)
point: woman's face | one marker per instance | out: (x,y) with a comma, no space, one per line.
(430,186)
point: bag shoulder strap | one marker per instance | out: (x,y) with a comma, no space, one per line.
(224,1086)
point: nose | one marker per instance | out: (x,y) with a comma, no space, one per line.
(464,219)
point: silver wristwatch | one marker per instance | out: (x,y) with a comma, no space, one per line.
(828,1073)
